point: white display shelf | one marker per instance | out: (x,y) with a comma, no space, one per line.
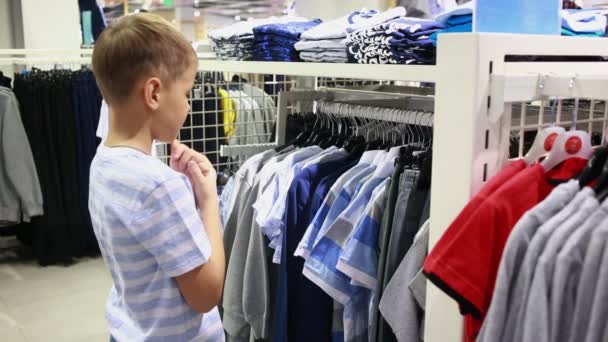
(420,73)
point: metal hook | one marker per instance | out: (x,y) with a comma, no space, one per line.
(576,103)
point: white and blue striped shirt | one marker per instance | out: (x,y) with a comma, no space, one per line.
(149,232)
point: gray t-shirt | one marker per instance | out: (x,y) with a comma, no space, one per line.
(588,285)
(537,316)
(535,245)
(257,293)
(568,268)
(506,291)
(399,305)
(239,223)
(599,312)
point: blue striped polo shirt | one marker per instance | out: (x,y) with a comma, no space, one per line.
(149,232)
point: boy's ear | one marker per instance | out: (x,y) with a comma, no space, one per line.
(152,87)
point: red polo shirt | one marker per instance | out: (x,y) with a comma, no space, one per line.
(465,261)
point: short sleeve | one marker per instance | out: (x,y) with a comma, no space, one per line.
(169,226)
(449,265)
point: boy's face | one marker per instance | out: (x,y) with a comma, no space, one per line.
(174,106)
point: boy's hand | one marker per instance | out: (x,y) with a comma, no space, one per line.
(181,155)
(199,170)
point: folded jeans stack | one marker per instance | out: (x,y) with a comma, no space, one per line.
(275,42)
(399,41)
(326,42)
(236,42)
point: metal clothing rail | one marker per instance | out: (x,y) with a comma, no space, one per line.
(409,116)
(245,150)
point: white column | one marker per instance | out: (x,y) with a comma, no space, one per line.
(51,24)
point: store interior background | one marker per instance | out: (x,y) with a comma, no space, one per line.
(67,303)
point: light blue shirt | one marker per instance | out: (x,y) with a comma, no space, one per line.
(321,266)
(359,259)
(356,172)
(149,232)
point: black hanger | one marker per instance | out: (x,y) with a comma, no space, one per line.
(594,167)
(601,187)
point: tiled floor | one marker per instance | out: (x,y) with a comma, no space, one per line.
(54,303)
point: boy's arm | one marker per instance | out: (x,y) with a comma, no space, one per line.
(202,287)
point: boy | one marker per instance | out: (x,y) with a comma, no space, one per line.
(166,256)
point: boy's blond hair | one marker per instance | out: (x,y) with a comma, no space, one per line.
(136,46)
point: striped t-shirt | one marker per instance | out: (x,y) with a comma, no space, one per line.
(149,232)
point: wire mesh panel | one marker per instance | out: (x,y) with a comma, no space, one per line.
(231,109)
(527,119)
(240,109)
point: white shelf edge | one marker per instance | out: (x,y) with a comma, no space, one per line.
(419,73)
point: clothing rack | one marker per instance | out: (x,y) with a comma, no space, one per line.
(472,125)
(399,110)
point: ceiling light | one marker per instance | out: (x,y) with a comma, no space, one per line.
(237,18)
(197,13)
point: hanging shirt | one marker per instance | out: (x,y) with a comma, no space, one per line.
(401,307)
(599,311)
(589,285)
(308,305)
(313,229)
(229,114)
(321,266)
(244,181)
(568,268)
(526,273)
(277,191)
(344,196)
(354,265)
(359,259)
(537,314)
(448,263)
(331,154)
(266,104)
(225,200)
(250,164)
(507,293)
(21,195)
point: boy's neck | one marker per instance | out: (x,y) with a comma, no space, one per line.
(129,128)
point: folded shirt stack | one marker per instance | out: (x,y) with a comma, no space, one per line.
(236,42)
(459,19)
(275,42)
(326,42)
(585,23)
(399,41)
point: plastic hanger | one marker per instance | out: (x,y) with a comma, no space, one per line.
(543,143)
(568,145)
